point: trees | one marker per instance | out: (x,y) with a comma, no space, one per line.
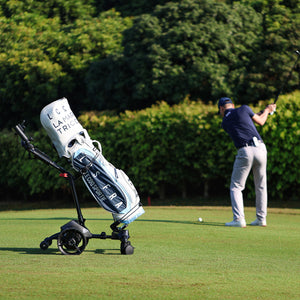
(203,49)
(43,59)
(279,39)
(103,60)
(179,49)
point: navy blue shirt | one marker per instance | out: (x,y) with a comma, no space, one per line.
(237,122)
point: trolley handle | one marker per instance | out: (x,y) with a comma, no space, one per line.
(26,142)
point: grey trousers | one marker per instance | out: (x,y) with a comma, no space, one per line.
(248,158)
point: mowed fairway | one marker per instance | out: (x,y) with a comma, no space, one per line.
(176,257)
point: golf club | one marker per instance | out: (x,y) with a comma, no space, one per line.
(289,76)
(287,79)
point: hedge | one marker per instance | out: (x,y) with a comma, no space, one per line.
(166,150)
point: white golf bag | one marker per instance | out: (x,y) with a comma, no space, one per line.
(110,186)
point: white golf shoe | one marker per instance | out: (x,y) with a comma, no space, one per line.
(259,223)
(237,223)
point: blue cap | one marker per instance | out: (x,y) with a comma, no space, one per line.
(223,101)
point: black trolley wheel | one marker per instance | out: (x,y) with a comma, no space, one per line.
(45,244)
(71,242)
(126,248)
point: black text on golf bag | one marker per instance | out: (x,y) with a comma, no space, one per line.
(101,184)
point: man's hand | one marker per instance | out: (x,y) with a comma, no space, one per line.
(262,116)
(271,108)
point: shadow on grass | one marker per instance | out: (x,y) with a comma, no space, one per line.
(29,250)
(55,251)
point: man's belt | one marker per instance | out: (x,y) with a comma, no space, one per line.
(251,143)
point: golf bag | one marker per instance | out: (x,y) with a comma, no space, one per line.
(110,186)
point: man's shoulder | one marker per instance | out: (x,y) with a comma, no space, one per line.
(240,110)
(246,108)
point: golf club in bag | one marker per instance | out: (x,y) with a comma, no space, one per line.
(110,187)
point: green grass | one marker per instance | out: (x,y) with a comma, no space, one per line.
(175,257)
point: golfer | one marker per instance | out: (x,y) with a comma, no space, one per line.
(251,154)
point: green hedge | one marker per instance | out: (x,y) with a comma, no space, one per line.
(179,150)
(163,146)
(282,136)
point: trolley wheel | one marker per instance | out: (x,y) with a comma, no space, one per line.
(126,248)
(45,244)
(71,242)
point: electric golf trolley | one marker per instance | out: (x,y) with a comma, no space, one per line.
(110,187)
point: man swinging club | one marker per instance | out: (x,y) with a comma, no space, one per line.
(251,154)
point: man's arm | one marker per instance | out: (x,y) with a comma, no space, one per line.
(261,117)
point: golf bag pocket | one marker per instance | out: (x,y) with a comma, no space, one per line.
(110,187)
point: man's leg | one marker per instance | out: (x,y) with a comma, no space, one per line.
(260,181)
(241,169)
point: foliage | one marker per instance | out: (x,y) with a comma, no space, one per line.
(200,49)
(280,38)
(145,52)
(167,150)
(129,7)
(44,59)
(282,136)
(191,48)
(66,10)
(22,174)
(101,59)
(161,145)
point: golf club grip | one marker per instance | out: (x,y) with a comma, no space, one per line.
(272,113)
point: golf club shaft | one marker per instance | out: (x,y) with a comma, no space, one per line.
(289,76)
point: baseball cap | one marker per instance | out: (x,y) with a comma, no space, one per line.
(223,101)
